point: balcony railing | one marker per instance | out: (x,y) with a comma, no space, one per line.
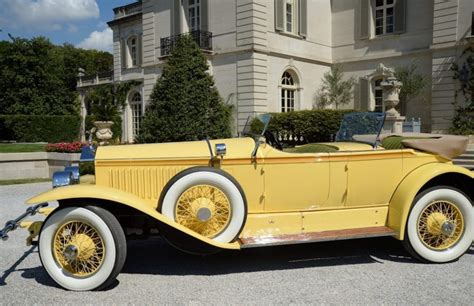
(97,79)
(202,38)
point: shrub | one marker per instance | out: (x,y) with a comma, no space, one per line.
(65,147)
(185,104)
(116,128)
(25,128)
(311,125)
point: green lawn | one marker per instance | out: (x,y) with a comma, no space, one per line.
(23,181)
(21,147)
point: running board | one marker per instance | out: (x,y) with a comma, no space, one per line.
(367,232)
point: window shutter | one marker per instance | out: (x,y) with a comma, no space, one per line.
(364,94)
(140,50)
(400,16)
(204,15)
(123,53)
(176,18)
(302,18)
(279,11)
(364,15)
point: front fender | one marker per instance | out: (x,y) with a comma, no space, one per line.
(124,198)
(402,199)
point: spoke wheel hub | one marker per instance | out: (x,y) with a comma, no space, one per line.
(440,225)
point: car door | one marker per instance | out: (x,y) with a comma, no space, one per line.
(294,182)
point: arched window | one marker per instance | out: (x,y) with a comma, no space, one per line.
(133,51)
(288,92)
(136,106)
(378,96)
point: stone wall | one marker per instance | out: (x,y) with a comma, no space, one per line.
(34,165)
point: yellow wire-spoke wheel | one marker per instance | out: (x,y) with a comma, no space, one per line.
(204,209)
(440,225)
(78,248)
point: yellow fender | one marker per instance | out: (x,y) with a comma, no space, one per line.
(121,197)
(402,199)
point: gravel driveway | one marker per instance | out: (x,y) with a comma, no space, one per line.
(373,271)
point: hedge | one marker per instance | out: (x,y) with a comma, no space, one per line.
(116,128)
(306,126)
(25,128)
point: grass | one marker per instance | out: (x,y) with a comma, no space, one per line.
(21,147)
(23,181)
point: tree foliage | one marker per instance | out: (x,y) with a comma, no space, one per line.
(185,104)
(334,90)
(38,78)
(413,83)
(463,120)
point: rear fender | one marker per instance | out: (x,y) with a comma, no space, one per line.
(121,198)
(402,199)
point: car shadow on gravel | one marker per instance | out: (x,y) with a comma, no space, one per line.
(154,256)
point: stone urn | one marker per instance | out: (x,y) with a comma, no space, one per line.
(103,132)
(391,90)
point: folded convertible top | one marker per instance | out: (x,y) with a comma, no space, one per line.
(446,146)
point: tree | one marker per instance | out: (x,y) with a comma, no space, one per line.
(185,104)
(413,84)
(333,90)
(463,120)
(38,78)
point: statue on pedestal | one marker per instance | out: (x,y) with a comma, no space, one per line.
(391,90)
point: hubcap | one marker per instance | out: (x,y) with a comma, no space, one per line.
(204,209)
(440,225)
(78,248)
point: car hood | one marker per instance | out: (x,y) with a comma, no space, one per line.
(236,148)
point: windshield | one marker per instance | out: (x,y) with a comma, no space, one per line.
(256,126)
(363,127)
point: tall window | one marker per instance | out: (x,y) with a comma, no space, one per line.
(290,16)
(194,15)
(288,92)
(384,16)
(136,106)
(133,51)
(378,96)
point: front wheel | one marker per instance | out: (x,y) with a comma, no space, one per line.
(82,248)
(440,226)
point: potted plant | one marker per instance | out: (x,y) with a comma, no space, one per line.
(104,110)
(104,115)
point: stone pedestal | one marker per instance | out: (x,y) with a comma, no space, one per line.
(393,124)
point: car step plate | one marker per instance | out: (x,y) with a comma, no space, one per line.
(367,232)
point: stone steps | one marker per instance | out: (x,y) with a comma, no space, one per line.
(467,159)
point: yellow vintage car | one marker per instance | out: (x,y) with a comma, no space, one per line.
(230,194)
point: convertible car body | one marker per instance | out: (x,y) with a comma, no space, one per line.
(237,193)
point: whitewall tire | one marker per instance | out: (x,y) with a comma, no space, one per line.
(82,248)
(440,227)
(207,195)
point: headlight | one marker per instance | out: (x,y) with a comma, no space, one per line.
(69,176)
(62,178)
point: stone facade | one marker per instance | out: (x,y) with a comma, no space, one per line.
(270,55)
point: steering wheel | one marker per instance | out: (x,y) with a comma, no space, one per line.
(272,140)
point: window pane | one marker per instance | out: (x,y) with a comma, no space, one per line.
(379,22)
(390,11)
(191,2)
(378,31)
(389,2)
(379,3)
(379,14)
(390,29)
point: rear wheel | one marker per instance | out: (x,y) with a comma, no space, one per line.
(440,226)
(82,248)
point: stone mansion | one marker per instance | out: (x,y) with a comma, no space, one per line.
(270,55)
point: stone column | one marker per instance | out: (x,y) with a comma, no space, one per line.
(393,121)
